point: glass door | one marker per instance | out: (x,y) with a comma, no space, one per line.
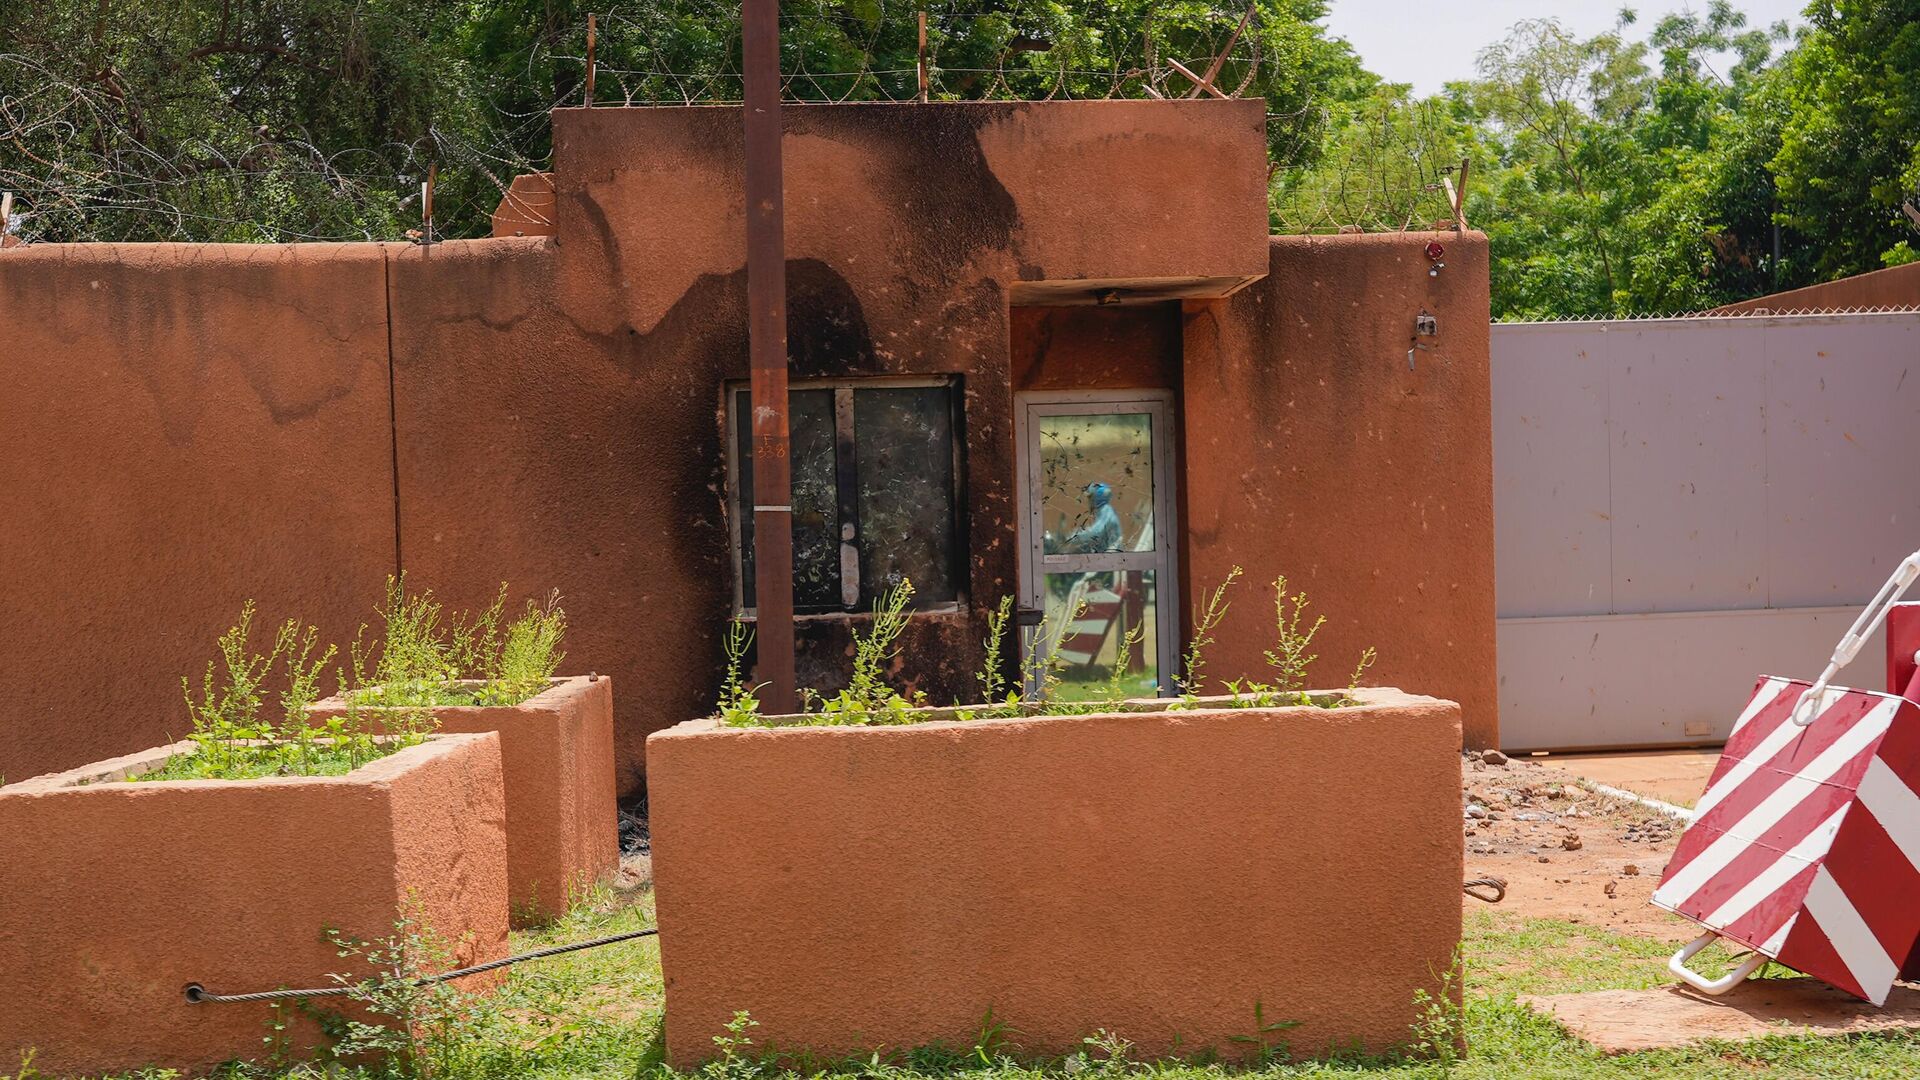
(1099,581)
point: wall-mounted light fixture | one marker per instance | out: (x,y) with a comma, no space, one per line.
(1424,325)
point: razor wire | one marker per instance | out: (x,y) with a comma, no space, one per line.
(1751,309)
(83,163)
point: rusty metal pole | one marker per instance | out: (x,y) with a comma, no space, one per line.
(767,348)
(590,65)
(923,58)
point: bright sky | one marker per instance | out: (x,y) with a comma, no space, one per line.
(1429,44)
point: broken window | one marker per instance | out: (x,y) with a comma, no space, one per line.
(876,474)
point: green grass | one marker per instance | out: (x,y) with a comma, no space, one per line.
(416,694)
(255,762)
(1549,956)
(598,1014)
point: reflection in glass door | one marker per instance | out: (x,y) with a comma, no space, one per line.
(1098,580)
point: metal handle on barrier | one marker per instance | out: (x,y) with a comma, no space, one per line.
(1904,575)
(1677,964)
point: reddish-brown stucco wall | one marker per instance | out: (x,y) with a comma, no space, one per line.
(194,425)
(526,207)
(1896,286)
(1311,450)
(1097,348)
(1152,874)
(558,402)
(186,426)
(118,895)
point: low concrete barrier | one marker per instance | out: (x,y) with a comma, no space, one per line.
(117,895)
(1161,875)
(556,757)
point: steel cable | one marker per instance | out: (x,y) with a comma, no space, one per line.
(1479,887)
(197,994)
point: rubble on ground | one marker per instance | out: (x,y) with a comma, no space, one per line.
(1567,852)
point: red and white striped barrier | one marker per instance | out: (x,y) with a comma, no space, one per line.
(1081,643)
(1805,848)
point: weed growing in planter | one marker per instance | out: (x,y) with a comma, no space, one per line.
(419,658)
(1367,657)
(427,657)
(993,682)
(868,699)
(235,741)
(528,656)
(739,703)
(1041,666)
(1289,658)
(1122,664)
(1205,620)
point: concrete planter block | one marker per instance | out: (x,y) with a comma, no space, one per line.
(556,753)
(1155,874)
(117,895)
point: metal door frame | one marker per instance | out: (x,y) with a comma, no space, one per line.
(1164,560)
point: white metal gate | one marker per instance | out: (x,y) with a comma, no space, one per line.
(1682,504)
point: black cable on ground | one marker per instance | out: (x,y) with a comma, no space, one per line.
(198,995)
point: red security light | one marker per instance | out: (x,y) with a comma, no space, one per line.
(1435,251)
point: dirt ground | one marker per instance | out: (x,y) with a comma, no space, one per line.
(1624,1021)
(1673,776)
(1566,852)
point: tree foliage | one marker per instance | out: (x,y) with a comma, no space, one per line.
(1848,154)
(1616,176)
(244,120)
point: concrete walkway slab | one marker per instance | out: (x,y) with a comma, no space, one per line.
(1674,776)
(1626,1021)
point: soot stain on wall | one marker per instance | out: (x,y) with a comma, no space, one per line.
(950,203)
(828,335)
(704,334)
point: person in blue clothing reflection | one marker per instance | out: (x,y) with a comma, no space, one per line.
(1103,532)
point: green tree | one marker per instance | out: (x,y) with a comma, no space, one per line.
(1561,112)
(1612,175)
(261,120)
(1849,156)
(1381,168)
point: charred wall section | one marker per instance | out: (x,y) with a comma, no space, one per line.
(905,229)
(1097,348)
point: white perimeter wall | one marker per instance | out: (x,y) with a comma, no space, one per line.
(1683,505)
